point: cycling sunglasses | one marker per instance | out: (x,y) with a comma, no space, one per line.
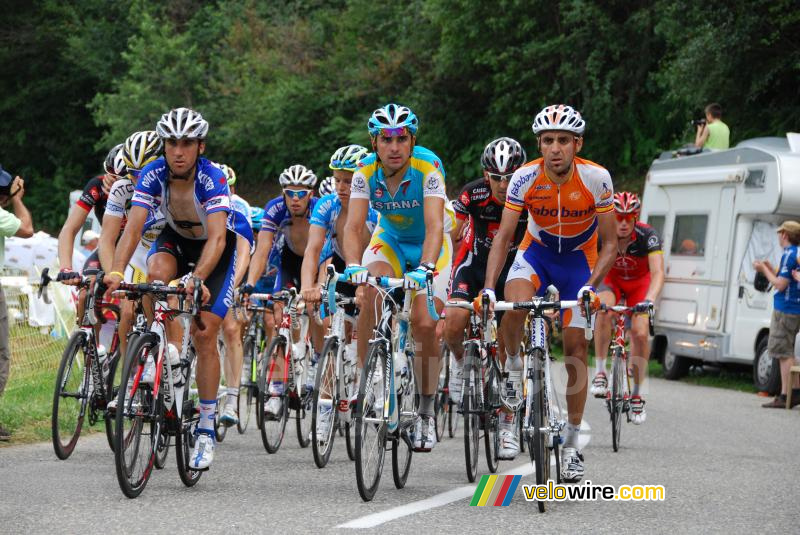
(296,194)
(625,217)
(498,177)
(393,132)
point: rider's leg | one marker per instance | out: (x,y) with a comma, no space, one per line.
(426,359)
(164,267)
(604,321)
(455,324)
(368,303)
(126,312)
(640,352)
(208,371)
(575,357)
(232,332)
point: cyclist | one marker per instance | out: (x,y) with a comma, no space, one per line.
(569,201)
(192,194)
(138,150)
(405,184)
(479,208)
(638,276)
(325,239)
(94,197)
(266,282)
(232,324)
(285,226)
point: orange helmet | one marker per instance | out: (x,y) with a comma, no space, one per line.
(626,202)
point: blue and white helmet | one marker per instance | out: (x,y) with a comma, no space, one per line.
(347,158)
(327,186)
(182,123)
(392,117)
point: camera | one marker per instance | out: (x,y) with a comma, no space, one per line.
(697,122)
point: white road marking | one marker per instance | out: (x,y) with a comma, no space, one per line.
(438,500)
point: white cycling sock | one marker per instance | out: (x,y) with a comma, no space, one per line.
(426,405)
(599,365)
(571,437)
(513,363)
(233,394)
(207,407)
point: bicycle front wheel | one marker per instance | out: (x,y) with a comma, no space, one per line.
(371,430)
(246,399)
(402,450)
(442,401)
(540,454)
(616,400)
(471,407)
(185,432)
(138,422)
(274,408)
(112,388)
(323,414)
(491,425)
(70,396)
(304,404)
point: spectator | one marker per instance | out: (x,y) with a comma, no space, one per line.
(786,314)
(89,239)
(713,133)
(17,224)
(688,247)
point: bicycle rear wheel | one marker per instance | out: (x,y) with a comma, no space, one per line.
(185,432)
(350,440)
(137,422)
(162,449)
(112,388)
(491,425)
(70,396)
(246,399)
(616,400)
(441,403)
(469,399)
(304,403)
(273,425)
(402,450)
(540,454)
(371,431)
(325,400)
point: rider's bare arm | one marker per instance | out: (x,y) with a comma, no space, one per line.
(499,251)
(607,231)
(655,262)
(356,220)
(434,229)
(242,259)
(308,272)
(214,246)
(259,260)
(66,238)
(108,241)
(130,238)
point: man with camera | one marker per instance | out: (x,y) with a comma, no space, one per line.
(712,133)
(17,224)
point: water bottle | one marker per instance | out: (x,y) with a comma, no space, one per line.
(102,358)
(174,360)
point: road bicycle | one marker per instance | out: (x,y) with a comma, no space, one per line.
(253,345)
(167,406)
(335,381)
(386,407)
(446,411)
(85,378)
(481,392)
(618,396)
(542,421)
(283,376)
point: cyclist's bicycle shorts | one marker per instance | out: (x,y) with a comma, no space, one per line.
(186,251)
(566,271)
(633,291)
(136,271)
(404,256)
(288,274)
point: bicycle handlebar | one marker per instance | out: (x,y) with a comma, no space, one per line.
(636,309)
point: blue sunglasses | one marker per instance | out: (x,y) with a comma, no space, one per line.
(295,194)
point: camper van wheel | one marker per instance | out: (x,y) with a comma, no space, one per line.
(675,366)
(766,373)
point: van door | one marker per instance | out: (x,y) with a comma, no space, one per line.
(699,258)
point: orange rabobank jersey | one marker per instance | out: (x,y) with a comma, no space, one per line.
(562,217)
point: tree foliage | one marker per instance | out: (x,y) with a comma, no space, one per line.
(289,81)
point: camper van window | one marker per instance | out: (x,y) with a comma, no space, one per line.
(755,179)
(657,222)
(689,238)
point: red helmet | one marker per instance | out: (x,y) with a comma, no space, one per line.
(626,202)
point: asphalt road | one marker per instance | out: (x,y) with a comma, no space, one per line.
(727,466)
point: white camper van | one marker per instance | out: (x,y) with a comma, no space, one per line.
(717,212)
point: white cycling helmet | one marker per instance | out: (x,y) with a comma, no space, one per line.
(347,158)
(114,163)
(327,186)
(559,117)
(182,123)
(141,148)
(298,175)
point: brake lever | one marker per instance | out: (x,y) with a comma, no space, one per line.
(197,298)
(43,282)
(587,309)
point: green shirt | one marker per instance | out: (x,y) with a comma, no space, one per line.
(9,225)
(719,136)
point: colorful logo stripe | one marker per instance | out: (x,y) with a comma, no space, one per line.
(495,490)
